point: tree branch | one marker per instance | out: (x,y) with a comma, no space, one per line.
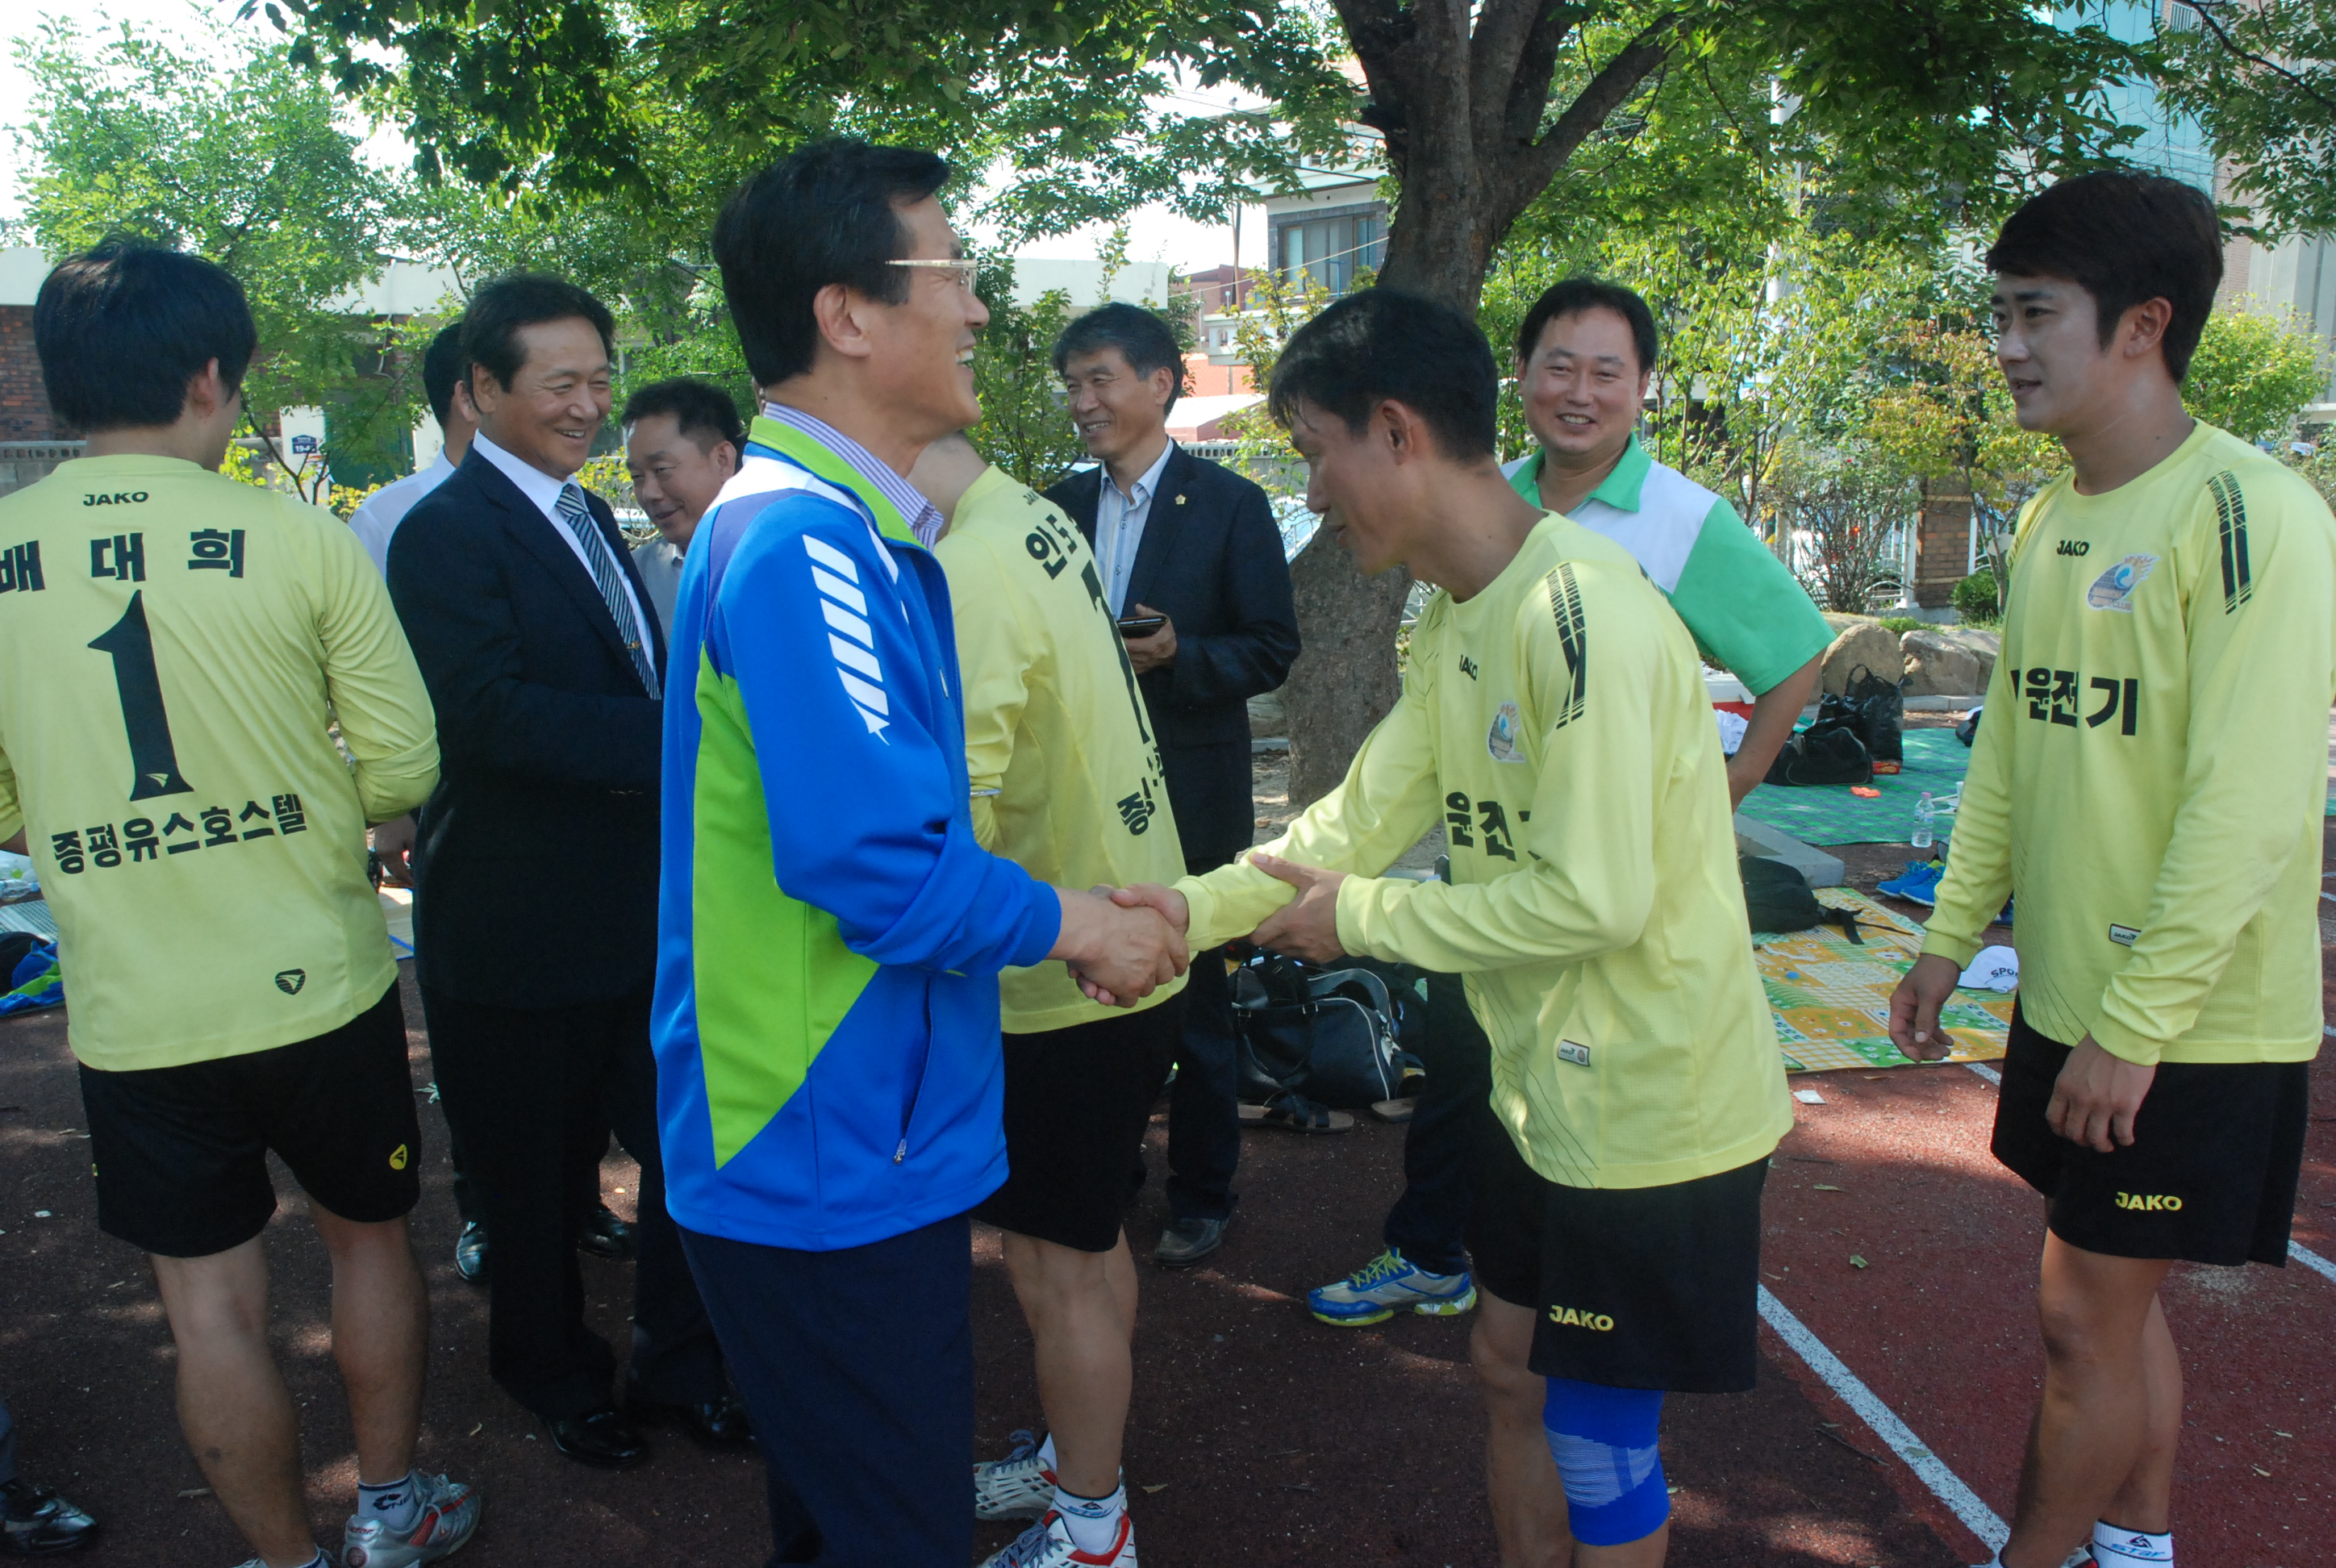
(1528,97)
(1440,83)
(2205,9)
(1380,31)
(1537,165)
(1496,49)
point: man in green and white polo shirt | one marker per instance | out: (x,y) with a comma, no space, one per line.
(1585,356)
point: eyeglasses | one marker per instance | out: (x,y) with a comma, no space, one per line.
(960,270)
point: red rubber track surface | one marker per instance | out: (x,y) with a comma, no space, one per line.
(1257,1435)
(1940,1326)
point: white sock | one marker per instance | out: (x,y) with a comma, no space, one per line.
(397,1504)
(1092,1522)
(1047,1453)
(2115,1548)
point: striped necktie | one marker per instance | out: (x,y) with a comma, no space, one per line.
(610,580)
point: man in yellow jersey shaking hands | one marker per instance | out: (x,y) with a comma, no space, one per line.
(1555,721)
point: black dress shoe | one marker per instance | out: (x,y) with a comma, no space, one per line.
(604,1235)
(35,1522)
(470,1253)
(720,1423)
(603,1439)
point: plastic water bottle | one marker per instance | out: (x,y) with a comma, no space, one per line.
(1925,813)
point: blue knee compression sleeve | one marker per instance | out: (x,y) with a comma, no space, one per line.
(1605,1443)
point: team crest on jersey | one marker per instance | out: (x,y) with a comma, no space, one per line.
(1501,740)
(2113,590)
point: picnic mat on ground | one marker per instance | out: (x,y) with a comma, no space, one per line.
(1829,814)
(1832,999)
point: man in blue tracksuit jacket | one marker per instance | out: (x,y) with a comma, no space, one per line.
(829,1081)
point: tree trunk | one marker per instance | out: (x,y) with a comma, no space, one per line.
(1460,89)
(1345,680)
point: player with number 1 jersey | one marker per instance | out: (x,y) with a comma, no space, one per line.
(181,648)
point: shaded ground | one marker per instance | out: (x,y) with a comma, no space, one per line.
(1258,1436)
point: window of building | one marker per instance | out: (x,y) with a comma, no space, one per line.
(1330,247)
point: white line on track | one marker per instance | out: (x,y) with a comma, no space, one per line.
(2311,1261)
(1948,1486)
(2295,1249)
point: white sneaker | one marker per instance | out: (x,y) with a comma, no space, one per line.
(1047,1545)
(1018,1486)
(449,1513)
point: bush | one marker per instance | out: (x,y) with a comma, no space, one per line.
(2255,371)
(2318,466)
(1975,599)
(1900,625)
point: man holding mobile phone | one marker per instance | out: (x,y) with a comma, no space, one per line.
(1193,572)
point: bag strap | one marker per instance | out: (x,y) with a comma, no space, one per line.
(1374,987)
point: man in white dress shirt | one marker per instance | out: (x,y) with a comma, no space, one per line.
(683,440)
(444,381)
(1194,544)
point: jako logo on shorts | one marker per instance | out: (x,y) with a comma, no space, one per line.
(1567,1318)
(2153,1203)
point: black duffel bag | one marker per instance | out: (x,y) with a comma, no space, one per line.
(1822,754)
(1872,709)
(1329,1035)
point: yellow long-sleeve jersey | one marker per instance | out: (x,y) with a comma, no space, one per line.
(176,647)
(1556,725)
(1058,747)
(2149,775)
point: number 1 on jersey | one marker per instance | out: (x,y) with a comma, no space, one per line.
(151,754)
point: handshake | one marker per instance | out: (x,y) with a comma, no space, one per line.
(1123,943)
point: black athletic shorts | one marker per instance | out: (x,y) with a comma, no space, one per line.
(181,1153)
(1077,1101)
(1631,1286)
(2209,1177)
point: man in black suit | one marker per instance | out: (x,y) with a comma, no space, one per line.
(536,873)
(1181,538)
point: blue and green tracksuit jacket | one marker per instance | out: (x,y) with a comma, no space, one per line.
(830,932)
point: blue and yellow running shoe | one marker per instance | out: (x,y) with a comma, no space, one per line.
(1388,1284)
(1919,885)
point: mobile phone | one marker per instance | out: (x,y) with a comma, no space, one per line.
(1141,625)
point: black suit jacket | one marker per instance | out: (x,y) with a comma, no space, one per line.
(1212,560)
(536,872)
